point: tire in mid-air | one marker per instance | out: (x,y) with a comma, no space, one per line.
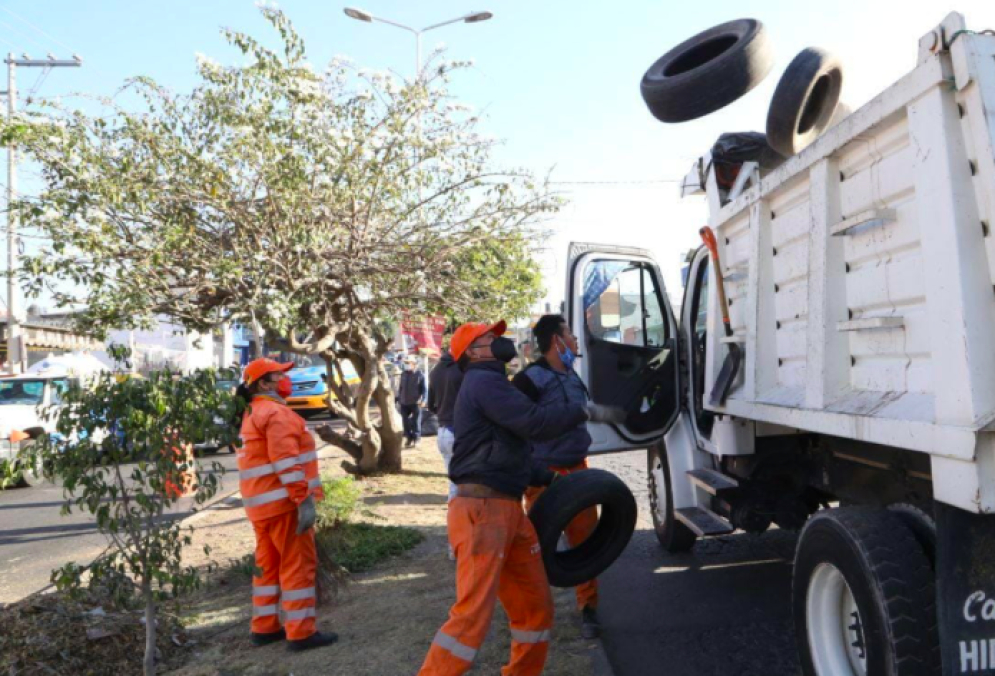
(804,101)
(567,497)
(708,71)
(863,597)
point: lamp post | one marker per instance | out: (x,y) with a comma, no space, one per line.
(472,17)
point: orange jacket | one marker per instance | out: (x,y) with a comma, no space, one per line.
(277,464)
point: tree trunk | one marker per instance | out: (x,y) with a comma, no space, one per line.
(391,429)
(150,628)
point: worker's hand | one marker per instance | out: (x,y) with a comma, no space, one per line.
(605,414)
(306,515)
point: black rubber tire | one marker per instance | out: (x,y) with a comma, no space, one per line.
(31,477)
(707,72)
(919,519)
(892,584)
(673,535)
(557,507)
(804,101)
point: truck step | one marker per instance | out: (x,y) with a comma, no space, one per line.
(712,481)
(703,521)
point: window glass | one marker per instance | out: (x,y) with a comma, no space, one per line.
(701,303)
(23,392)
(59,388)
(622,304)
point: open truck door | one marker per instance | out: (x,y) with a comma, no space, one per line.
(618,308)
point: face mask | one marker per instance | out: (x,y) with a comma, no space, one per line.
(567,356)
(503,349)
(284,387)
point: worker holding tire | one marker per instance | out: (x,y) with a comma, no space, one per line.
(551,381)
(279,482)
(497,552)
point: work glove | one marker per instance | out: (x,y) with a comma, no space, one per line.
(306,515)
(605,414)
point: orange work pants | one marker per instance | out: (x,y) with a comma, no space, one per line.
(288,563)
(497,557)
(577,531)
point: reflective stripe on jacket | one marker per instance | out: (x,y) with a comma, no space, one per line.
(277,464)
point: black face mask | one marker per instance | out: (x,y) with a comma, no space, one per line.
(503,349)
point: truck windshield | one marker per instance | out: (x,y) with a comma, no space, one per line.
(21,392)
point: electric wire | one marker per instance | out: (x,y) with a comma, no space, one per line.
(35,28)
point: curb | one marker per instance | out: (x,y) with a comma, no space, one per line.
(600,666)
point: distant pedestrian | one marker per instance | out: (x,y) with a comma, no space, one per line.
(410,397)
(443,387)
(552,381)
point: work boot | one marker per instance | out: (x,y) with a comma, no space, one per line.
(315,640)
(590,627)
(266,639)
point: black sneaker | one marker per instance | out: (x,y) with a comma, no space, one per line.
(266,639)
(315,640)
(590,627)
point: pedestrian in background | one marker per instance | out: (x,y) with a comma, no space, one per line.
(497,551)
(552,381)
(410,396)
(443,387)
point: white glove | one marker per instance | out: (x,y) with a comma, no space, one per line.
(306,515)
(605,414)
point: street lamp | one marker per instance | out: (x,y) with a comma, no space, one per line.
(472,17)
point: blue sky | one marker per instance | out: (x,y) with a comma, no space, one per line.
(558,80)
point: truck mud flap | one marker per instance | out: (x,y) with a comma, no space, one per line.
(965,587)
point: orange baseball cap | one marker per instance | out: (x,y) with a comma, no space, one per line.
(260,367)
(466,334)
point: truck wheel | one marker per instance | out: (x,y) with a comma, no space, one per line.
(708,71)
(31,473)
(567,497)
(804,101)
(672,534)
(923,527)
(863,597)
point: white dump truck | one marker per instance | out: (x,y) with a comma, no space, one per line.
(860,278)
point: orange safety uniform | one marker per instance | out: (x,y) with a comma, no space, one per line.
(277,470)
(577,531)
(497,557)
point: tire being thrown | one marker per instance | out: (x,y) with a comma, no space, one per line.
(805,101)
(708,71)
(566,498)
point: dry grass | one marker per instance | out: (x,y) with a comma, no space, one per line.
(385,618)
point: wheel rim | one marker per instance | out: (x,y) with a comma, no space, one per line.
(835,629)
(659,494)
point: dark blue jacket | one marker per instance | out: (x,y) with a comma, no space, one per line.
(443,388)
(492,424)
(548,387)
(412,388)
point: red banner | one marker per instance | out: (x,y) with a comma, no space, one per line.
(423,335)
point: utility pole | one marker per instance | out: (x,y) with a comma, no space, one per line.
(15,357)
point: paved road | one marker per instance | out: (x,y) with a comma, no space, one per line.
(35,538)
(723,608)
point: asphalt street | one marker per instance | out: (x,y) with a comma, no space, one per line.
(722,608)
(35,538)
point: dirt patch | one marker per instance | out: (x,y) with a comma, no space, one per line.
(385,618)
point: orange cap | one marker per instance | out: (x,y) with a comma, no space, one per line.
(466,334)
(260,367)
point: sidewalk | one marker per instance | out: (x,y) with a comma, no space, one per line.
(385,618)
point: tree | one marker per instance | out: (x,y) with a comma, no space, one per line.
(119,453)
(322,207)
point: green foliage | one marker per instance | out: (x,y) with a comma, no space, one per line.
(341,501)
(360,546)
(118,451)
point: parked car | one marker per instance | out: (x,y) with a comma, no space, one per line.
(310,393)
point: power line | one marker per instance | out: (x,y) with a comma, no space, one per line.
(35,28)
(655,181)
(20,33)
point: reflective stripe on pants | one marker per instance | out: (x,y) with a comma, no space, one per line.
(497,557)
(288,563)
(577,531)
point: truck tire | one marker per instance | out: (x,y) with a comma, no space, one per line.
(673,535)
(566,498)
(31,476)
(804,101)
(863,597)
(920,521)
(707,72)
